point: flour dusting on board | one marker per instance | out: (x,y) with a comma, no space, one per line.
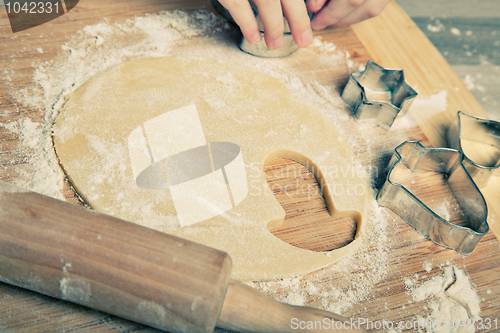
(452,303)
(358,275)
(37,167)
(98,47)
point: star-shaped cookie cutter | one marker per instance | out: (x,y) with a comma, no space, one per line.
(427,222)
(378,95)
(479,141)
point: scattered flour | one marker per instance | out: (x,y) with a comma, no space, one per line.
(84,55)
(428,267)
(35,162)
(471,84)
(455,31)
(450,298)
(437,27)
(429,106)
(437,101)
(98,47)
(443,210)
(355,275)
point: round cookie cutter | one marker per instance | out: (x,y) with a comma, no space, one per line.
(260,49)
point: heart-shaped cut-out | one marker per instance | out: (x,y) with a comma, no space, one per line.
(308,223)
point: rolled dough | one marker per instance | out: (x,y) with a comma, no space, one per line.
(235,105)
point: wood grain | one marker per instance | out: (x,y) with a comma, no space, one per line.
(405,46)
(427,186)
(73,253)
(392,40)
(260,312)
(308,224)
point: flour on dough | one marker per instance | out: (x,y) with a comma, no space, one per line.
(252,114)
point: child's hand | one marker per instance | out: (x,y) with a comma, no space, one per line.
(271,13)
(341,13)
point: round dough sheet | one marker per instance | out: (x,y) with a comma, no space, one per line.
(179,145)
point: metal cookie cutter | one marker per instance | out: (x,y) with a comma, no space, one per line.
(260,49)
(378,94)
(427,222)
(479,141)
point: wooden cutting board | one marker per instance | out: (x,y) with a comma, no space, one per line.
(391,40)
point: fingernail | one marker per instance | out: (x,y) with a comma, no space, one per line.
(311,6)
(256,38)
(277,43)
(306,38)
(318,26)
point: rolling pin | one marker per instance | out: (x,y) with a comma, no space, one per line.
(81,256)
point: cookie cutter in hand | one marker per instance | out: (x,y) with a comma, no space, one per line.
(378,95)
(479,141)
(260,49)
(430,225)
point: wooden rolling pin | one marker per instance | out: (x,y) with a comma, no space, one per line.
(70,252)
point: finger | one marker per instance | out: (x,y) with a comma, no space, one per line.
(333,12)
(271,15)
(368,9)
(314,6)
(243,15)
(300,26)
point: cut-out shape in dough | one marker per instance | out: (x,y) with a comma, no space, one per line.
(308,223)
(235,104)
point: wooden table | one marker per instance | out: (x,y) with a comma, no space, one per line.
(391,40)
